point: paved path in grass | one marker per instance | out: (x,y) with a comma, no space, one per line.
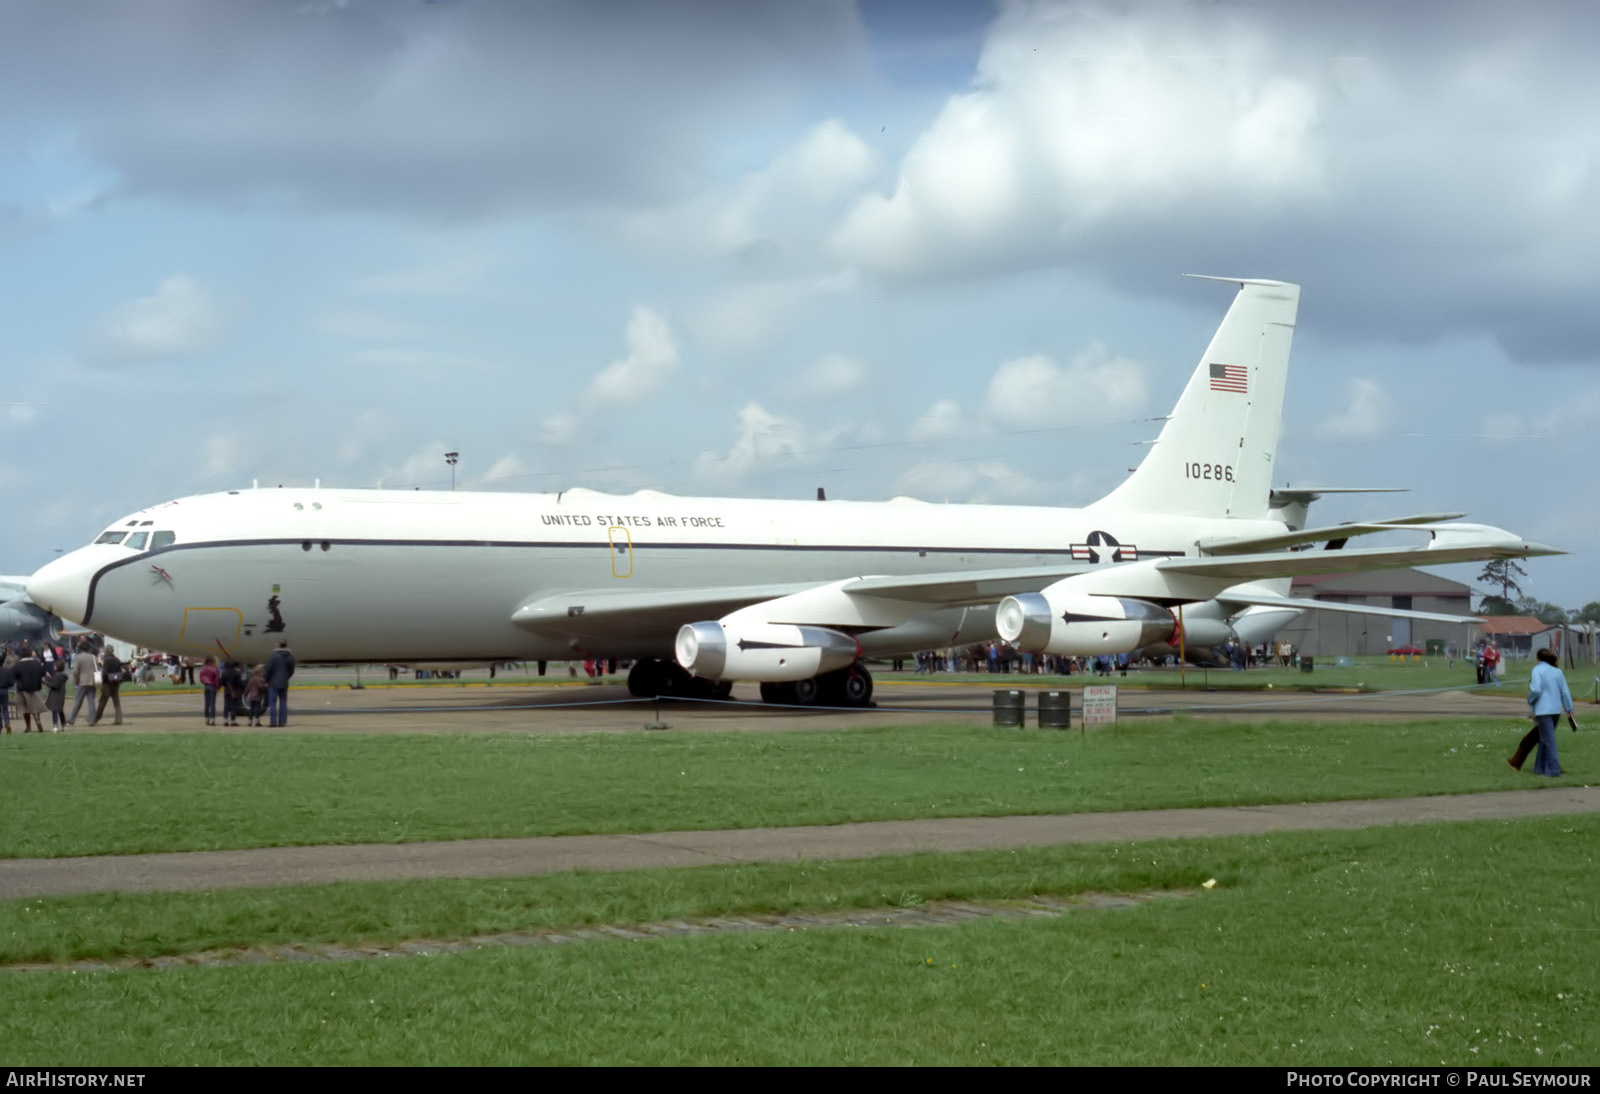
(274,866)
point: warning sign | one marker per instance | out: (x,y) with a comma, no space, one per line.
(1100,705)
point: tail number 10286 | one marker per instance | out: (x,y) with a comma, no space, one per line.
(1218,471)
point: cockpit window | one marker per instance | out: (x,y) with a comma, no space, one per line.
(146,523)
(111,537)
(136,541)
(161,539)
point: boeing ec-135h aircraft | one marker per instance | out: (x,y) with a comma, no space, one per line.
(794,595)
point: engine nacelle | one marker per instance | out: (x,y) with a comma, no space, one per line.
(1082,625)
(770,653)
(22,618)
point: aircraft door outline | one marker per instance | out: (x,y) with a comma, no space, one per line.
(621,550)
(211,629)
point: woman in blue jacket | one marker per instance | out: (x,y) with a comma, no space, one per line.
(1549,697)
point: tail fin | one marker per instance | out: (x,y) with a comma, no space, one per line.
(1214,456)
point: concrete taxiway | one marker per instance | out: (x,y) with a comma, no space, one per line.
(275,866)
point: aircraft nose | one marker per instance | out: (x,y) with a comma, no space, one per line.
(62,586)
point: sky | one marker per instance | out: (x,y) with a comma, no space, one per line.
(749,249)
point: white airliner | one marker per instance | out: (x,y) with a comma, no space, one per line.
(705,591)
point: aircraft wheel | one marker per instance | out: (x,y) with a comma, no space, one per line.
(777,694)
(702,688)
(645,679)
(807,693)
(856,686)
(676,681)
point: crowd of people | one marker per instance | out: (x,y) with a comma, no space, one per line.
(39,673)
(998,657)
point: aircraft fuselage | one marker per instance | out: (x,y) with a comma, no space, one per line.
(371,575)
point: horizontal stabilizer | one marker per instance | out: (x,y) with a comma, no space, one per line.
(1253,544)
(1284,496)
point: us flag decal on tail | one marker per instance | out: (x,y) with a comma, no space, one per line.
(1229,378)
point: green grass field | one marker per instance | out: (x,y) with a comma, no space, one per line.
(73,795)
(1459,944)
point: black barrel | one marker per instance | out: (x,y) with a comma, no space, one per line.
(1305,664)
(1010,707)
(1055,710)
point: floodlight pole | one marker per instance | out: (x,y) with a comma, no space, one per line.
(450,458)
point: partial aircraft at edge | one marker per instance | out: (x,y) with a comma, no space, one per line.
(20,617)
(701,592)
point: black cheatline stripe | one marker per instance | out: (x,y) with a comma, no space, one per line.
(94,582)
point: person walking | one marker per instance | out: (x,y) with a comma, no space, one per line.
(8,680)
(232,680)
(30,689)
(1549,697)
(280,666)
(84,668)
(55,688)
(112,674)
(210,680)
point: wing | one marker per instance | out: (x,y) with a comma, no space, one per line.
(1450,543)
(1230,598)
(637,617)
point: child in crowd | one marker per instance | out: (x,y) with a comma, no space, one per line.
(255,693)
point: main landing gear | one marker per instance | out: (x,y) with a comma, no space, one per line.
(846,687)
(667,679)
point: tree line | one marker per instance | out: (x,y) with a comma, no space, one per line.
(1510,600)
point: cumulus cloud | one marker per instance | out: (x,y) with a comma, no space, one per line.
(1080,117)
(179,319)
(1034,392)
(943,421)
(508,466)
(1367,416)
(769,218)
(762,439)
(831,376)
(651,360)
(985,480)
(1429,169)
(219,455)
(443,109)
(748,315)
(22,413)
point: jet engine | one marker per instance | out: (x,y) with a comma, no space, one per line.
(1080,624)
(22,618)
(767,652)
